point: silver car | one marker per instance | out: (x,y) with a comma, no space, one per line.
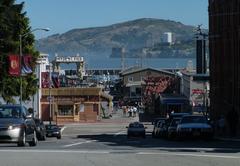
(136,129)
(17,126)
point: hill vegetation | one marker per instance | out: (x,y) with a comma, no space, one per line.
(131,35)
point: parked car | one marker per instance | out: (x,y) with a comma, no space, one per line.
(155,120)
(178,115)
(136,129)
(40,129)
(17,125)
(172,128)
(53,130)
(163,129)
(157,126)
(194,126)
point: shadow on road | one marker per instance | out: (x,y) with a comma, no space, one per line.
(213,146)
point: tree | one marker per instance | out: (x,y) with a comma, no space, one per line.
(13,22)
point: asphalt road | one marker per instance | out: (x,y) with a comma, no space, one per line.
(104,144)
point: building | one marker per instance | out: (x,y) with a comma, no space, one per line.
(62,97)
(196,88)
(168,37)
(224,35)
(72,104)
(42,66)
(144,86)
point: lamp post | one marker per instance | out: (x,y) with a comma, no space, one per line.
(50,97)
(21,36)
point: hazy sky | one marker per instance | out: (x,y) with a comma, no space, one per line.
(63,15)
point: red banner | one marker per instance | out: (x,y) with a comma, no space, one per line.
(45,79)
(14,66)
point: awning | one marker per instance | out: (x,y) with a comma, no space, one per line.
(174,100)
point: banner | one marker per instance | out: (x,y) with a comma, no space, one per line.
(26,67)
(14,66)
(45,79)
(55,82)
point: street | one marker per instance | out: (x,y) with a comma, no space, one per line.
(107,144)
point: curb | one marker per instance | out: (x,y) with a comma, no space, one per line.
(227,139)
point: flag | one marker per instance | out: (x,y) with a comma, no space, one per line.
(14,66)
(45,79)
(26,67)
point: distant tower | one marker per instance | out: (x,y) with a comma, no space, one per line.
(123,58)
(167,37)
(190,65)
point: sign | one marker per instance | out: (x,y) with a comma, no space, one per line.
(50,98)
(26,64)
(197,91)
(14,66)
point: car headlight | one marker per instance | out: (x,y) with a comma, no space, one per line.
(12,127)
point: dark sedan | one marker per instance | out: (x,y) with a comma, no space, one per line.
(53,130)
(194,126)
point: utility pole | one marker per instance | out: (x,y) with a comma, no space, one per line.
(50,97)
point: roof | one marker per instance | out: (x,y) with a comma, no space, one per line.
(136,70)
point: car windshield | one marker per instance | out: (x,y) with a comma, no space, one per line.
(10,112)
(194,119)
(136,125)
(174,122)
(51,127)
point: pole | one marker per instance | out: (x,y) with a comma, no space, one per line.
(21,36)
(20,64)
(50,103)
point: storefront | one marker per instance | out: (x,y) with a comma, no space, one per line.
(72,104)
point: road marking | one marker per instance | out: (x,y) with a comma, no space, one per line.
(54,151)
(116,152)
(63,128)
(118,133)
(189,154)
(78,143)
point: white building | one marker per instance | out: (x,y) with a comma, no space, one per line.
(168,37)
(42,66)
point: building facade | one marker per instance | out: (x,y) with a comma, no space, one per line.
(196,88)
(224,43)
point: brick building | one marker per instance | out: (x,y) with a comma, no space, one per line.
(224,43)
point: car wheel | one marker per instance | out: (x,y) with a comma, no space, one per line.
(59,137)
(34,140)
(22,139)
(153,135)
(44,137)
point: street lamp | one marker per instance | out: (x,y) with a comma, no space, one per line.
(21,36)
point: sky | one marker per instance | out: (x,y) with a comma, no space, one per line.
(63,15)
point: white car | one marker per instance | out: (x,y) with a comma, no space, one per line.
(136,129)
(194,126)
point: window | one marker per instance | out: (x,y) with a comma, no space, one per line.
(130,79)
(65,110)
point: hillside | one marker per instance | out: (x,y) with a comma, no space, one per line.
(132,35)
